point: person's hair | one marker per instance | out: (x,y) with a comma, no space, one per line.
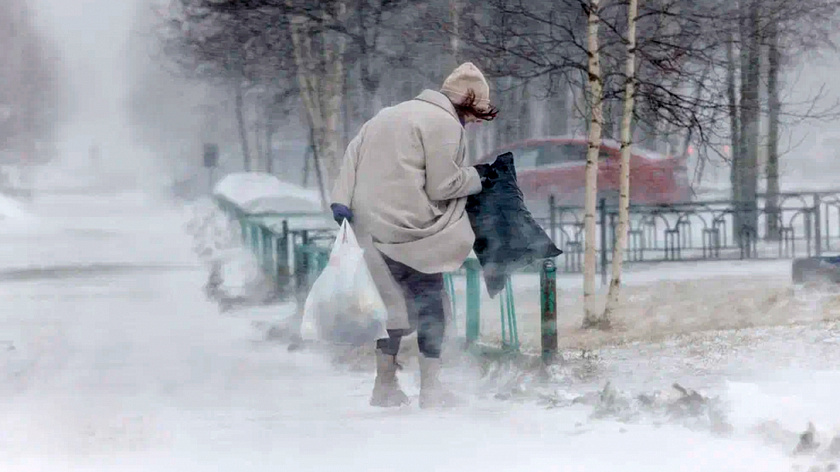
(468,106)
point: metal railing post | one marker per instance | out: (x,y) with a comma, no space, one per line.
(282,243)
(602,206)
(552,218)
(548,310)
(817,225)
(473,301)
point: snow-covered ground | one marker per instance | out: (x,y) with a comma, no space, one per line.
(666,299)
(14,215)
(112,359)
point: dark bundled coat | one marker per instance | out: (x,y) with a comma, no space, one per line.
(506,236)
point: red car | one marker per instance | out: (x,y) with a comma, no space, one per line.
(556,166)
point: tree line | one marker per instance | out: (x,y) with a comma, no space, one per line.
(671,75)
(31,100)
(707,69)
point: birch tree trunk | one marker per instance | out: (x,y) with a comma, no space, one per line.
(684,151)
(454,38)
(595,100)
(624,187)
(240,122)
(320,73)
(316,165)
(771,205)
(259,150)
(333,93)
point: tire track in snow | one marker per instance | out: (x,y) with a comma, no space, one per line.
(87,270)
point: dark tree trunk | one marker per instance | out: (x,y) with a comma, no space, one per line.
(734,123)
(269,154)
(558,111)
(750,76)
(243,134)
(771,204)
(524,125)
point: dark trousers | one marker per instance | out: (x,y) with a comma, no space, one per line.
(424,301)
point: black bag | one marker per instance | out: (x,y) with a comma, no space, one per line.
(506,236)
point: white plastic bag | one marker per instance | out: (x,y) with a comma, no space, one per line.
(344,305)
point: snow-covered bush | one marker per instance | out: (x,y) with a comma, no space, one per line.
(212,230)
(235,276)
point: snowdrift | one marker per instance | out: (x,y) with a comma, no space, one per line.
(234,273)
(665,301)
(13,212)
(11,208)
(256,192)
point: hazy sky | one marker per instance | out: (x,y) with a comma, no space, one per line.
(92,35)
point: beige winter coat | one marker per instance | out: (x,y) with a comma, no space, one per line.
(405,179)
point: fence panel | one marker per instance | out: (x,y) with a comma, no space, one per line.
(801,224)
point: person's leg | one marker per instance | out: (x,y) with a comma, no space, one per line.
(427,294)
(403,275)
(424,301)
(391,344)
(386,388)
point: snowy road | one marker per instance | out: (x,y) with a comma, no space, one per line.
(113,360)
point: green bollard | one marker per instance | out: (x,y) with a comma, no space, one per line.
(473,300)
(254,233)
(548,310)
(312,265)
(243,223)
(301,273)
(268,251)
(283,270)
(507,309)
(503,308)
(511,313)
(283,248)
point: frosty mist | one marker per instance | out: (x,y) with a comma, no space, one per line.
(124,85)
(140,333)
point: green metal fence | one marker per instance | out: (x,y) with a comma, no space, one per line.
(293,249)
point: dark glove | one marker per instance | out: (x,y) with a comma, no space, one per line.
(341,213)
(488,175)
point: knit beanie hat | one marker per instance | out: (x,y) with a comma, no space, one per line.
(464,78)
